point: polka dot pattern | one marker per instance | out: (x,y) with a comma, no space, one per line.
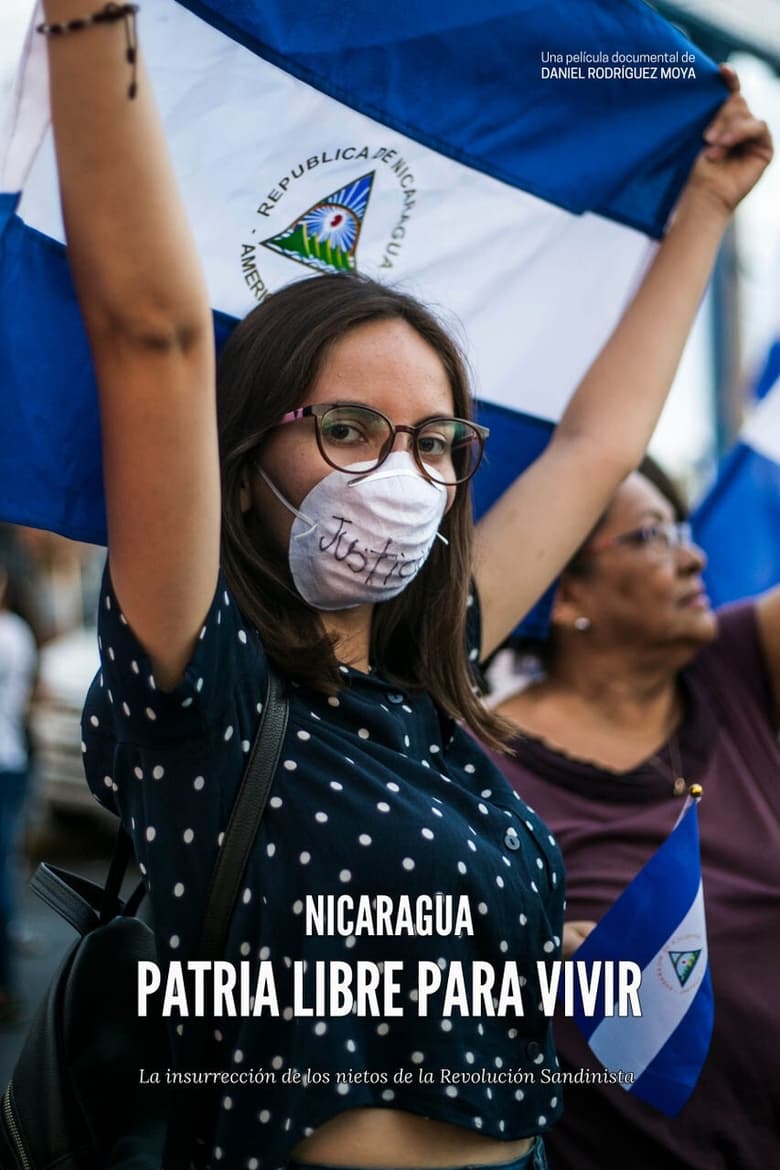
(376,793)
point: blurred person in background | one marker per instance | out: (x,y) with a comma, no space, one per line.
(18,664)
(643,690)
(64,580)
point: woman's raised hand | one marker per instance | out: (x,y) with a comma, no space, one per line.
(606,426)
(738,148)
(574,935)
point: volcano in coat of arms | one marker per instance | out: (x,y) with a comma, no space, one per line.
(326,236)
(683,963)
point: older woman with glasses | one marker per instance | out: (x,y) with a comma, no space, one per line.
(308,509)
(645,691)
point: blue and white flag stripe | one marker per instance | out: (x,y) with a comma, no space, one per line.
(762,428)
(668,1081)
(633,1042)
(738,522)
(770,372)
(658,923)
(522,208)
(418,70)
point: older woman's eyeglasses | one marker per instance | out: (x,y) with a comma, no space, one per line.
(446,450)
(661,537)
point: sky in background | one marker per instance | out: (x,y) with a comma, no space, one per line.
(684,438)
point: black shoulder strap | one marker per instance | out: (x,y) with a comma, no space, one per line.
(225,881)
(244,821)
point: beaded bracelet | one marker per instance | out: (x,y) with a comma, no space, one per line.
(109,14)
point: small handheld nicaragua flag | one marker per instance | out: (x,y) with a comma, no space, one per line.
(658,923)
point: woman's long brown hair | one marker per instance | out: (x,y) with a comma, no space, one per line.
(267,367)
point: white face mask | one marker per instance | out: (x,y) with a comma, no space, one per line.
(359,539)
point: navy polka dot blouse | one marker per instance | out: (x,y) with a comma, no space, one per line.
(377,793)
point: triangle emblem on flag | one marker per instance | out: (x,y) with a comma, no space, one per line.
(684,963)
(326,236)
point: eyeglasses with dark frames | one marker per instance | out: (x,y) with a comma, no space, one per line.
(446,450)
(662,537)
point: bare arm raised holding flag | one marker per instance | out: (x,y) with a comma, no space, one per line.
(144,302)
(603,433)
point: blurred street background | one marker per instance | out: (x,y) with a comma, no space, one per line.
(56,584)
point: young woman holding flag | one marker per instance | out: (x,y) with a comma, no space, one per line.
(292,516)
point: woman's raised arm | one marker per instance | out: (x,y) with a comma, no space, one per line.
(144,302)
(535,527)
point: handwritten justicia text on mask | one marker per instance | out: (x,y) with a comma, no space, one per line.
(380,565)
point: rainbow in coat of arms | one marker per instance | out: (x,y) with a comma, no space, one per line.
(325,237)
(683,963)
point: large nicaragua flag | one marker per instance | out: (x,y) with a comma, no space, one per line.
(508,161)
(738,522)
(658,923)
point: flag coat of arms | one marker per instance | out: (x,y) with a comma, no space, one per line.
(465,153)
(658,922)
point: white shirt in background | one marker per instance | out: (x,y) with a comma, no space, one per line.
(17,674)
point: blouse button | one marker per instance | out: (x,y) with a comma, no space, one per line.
(395,697)
(532,1050)
(511,839)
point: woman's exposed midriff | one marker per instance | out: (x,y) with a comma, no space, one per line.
(393,1137)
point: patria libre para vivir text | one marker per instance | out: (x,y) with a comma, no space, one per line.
(337,987)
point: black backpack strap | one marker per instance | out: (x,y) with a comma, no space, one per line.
(123,851)
(74,898)
(244,821)
(81,902)
(223,891)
